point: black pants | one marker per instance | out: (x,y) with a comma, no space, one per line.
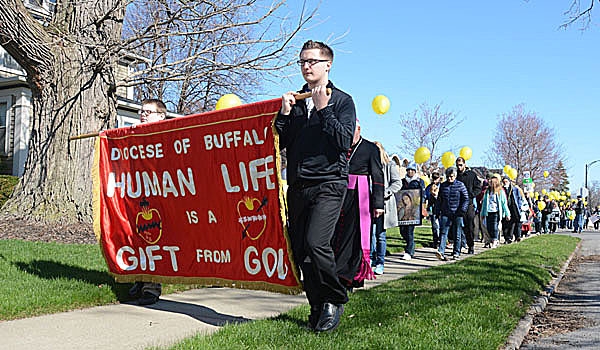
(313,213)
(469,228)
(511,228)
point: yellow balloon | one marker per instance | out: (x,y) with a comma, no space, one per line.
(422,154)
(466,152)
(448,159)
(425,180)
(544,191)
(546,173)
(541,205)
(228,101)
(380,104)
(568,194)
(507,168)
(512,173)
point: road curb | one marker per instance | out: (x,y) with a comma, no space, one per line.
(515,340)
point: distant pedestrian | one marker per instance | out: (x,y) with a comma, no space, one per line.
(411,181)
(473,186)
(494,207)
(511,227)
(579,212)
(454,202)
(393,184)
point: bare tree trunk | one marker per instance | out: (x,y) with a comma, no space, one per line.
(73,91)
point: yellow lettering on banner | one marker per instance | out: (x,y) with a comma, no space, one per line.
(211,217)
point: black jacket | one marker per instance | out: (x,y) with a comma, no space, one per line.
(317,148)
(366,160)
(472,183)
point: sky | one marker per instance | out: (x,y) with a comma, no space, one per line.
(477,58)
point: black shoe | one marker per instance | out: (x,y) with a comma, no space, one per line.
(147,299)
(136,289)
(471,250)
(330,317)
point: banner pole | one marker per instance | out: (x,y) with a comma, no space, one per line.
(301,96)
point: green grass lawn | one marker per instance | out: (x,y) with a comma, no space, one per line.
(395,243)
(7,184)
(42,278)
(471,304)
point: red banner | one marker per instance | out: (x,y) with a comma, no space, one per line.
(195,199)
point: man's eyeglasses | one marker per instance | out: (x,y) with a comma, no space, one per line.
(311,62)
(145,112)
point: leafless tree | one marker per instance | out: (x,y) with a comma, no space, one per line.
(579,13)
(195,50)
(526,143)
(427,126)
(201,50)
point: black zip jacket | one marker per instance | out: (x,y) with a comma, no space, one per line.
(317,148)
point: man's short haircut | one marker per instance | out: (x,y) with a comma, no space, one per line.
(462,160)
(160,105)
(451,171)
(435,175)
(326,51)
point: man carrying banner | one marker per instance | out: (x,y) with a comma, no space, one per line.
(153,110)
(317,134)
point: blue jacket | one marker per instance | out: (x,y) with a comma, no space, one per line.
(453,199)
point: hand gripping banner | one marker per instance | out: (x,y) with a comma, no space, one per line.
(195,199)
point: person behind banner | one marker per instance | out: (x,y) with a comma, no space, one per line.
(148,293)
(317,134)
(363,202)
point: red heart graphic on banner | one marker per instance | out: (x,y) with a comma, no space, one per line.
(251,216)
(148,223)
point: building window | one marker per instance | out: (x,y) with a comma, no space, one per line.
(3,127)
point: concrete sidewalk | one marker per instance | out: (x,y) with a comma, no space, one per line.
(577,295)
(173,318)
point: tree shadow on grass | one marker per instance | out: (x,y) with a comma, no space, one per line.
(52,270)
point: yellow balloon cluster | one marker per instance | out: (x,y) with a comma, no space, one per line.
(511,172)
(466,153)
(541,205)
(228,101)
(422,154)
(380,104)
(448,159)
